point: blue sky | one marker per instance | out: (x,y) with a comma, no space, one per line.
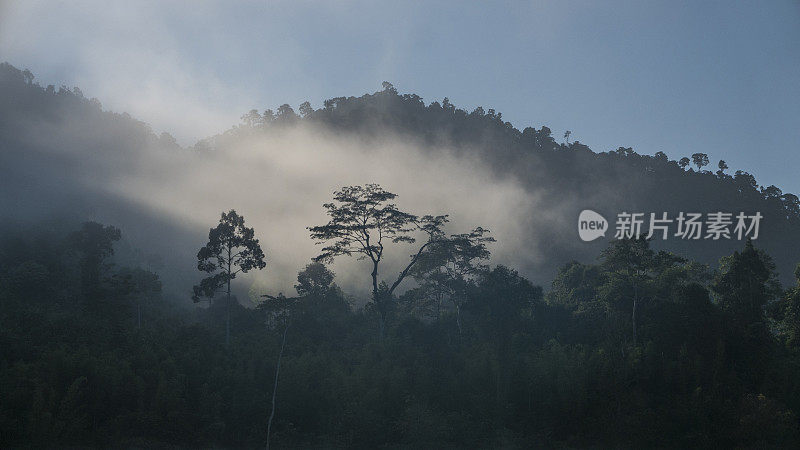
(679,77)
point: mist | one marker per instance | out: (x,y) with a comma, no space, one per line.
(165,197)
(280,180)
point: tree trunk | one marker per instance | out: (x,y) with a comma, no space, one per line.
(139,314)
(377,301)
(374,279)
(635,301)
(458,319)
(228,303)
(275,385)
(228,317)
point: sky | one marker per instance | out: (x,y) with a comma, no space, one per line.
(721,78)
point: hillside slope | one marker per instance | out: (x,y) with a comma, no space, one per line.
(564,178)
(61,151)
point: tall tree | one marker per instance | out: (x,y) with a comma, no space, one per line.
(447,267)
(745,287)
(628,262)
(314,283)
(722,166)
(305,109)
(362,221)
(95,243)
(632,272)
(231,248)
(280,310)
(700,160)
(746,283)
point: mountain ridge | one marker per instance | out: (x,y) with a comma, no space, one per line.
(569,177)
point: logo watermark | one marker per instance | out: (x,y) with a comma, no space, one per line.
(591,225)
(687,226)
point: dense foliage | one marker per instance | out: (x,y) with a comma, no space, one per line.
(639,348)
(715,360)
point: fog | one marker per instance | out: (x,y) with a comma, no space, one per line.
(69,161)
(165,197)
(279,181)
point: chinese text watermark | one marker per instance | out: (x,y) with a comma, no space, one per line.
(688,226)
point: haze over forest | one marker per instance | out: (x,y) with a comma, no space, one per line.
(225,227)
(70,158)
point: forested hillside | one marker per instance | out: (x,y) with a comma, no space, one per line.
(63,151)
(564,177)
(123,326)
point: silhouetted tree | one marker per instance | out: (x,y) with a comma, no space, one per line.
(280,309)
(362,220)
(285,115)
(388,87)
(700,160)
(231,248)
(305,109)
(252,118)
(314,280)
